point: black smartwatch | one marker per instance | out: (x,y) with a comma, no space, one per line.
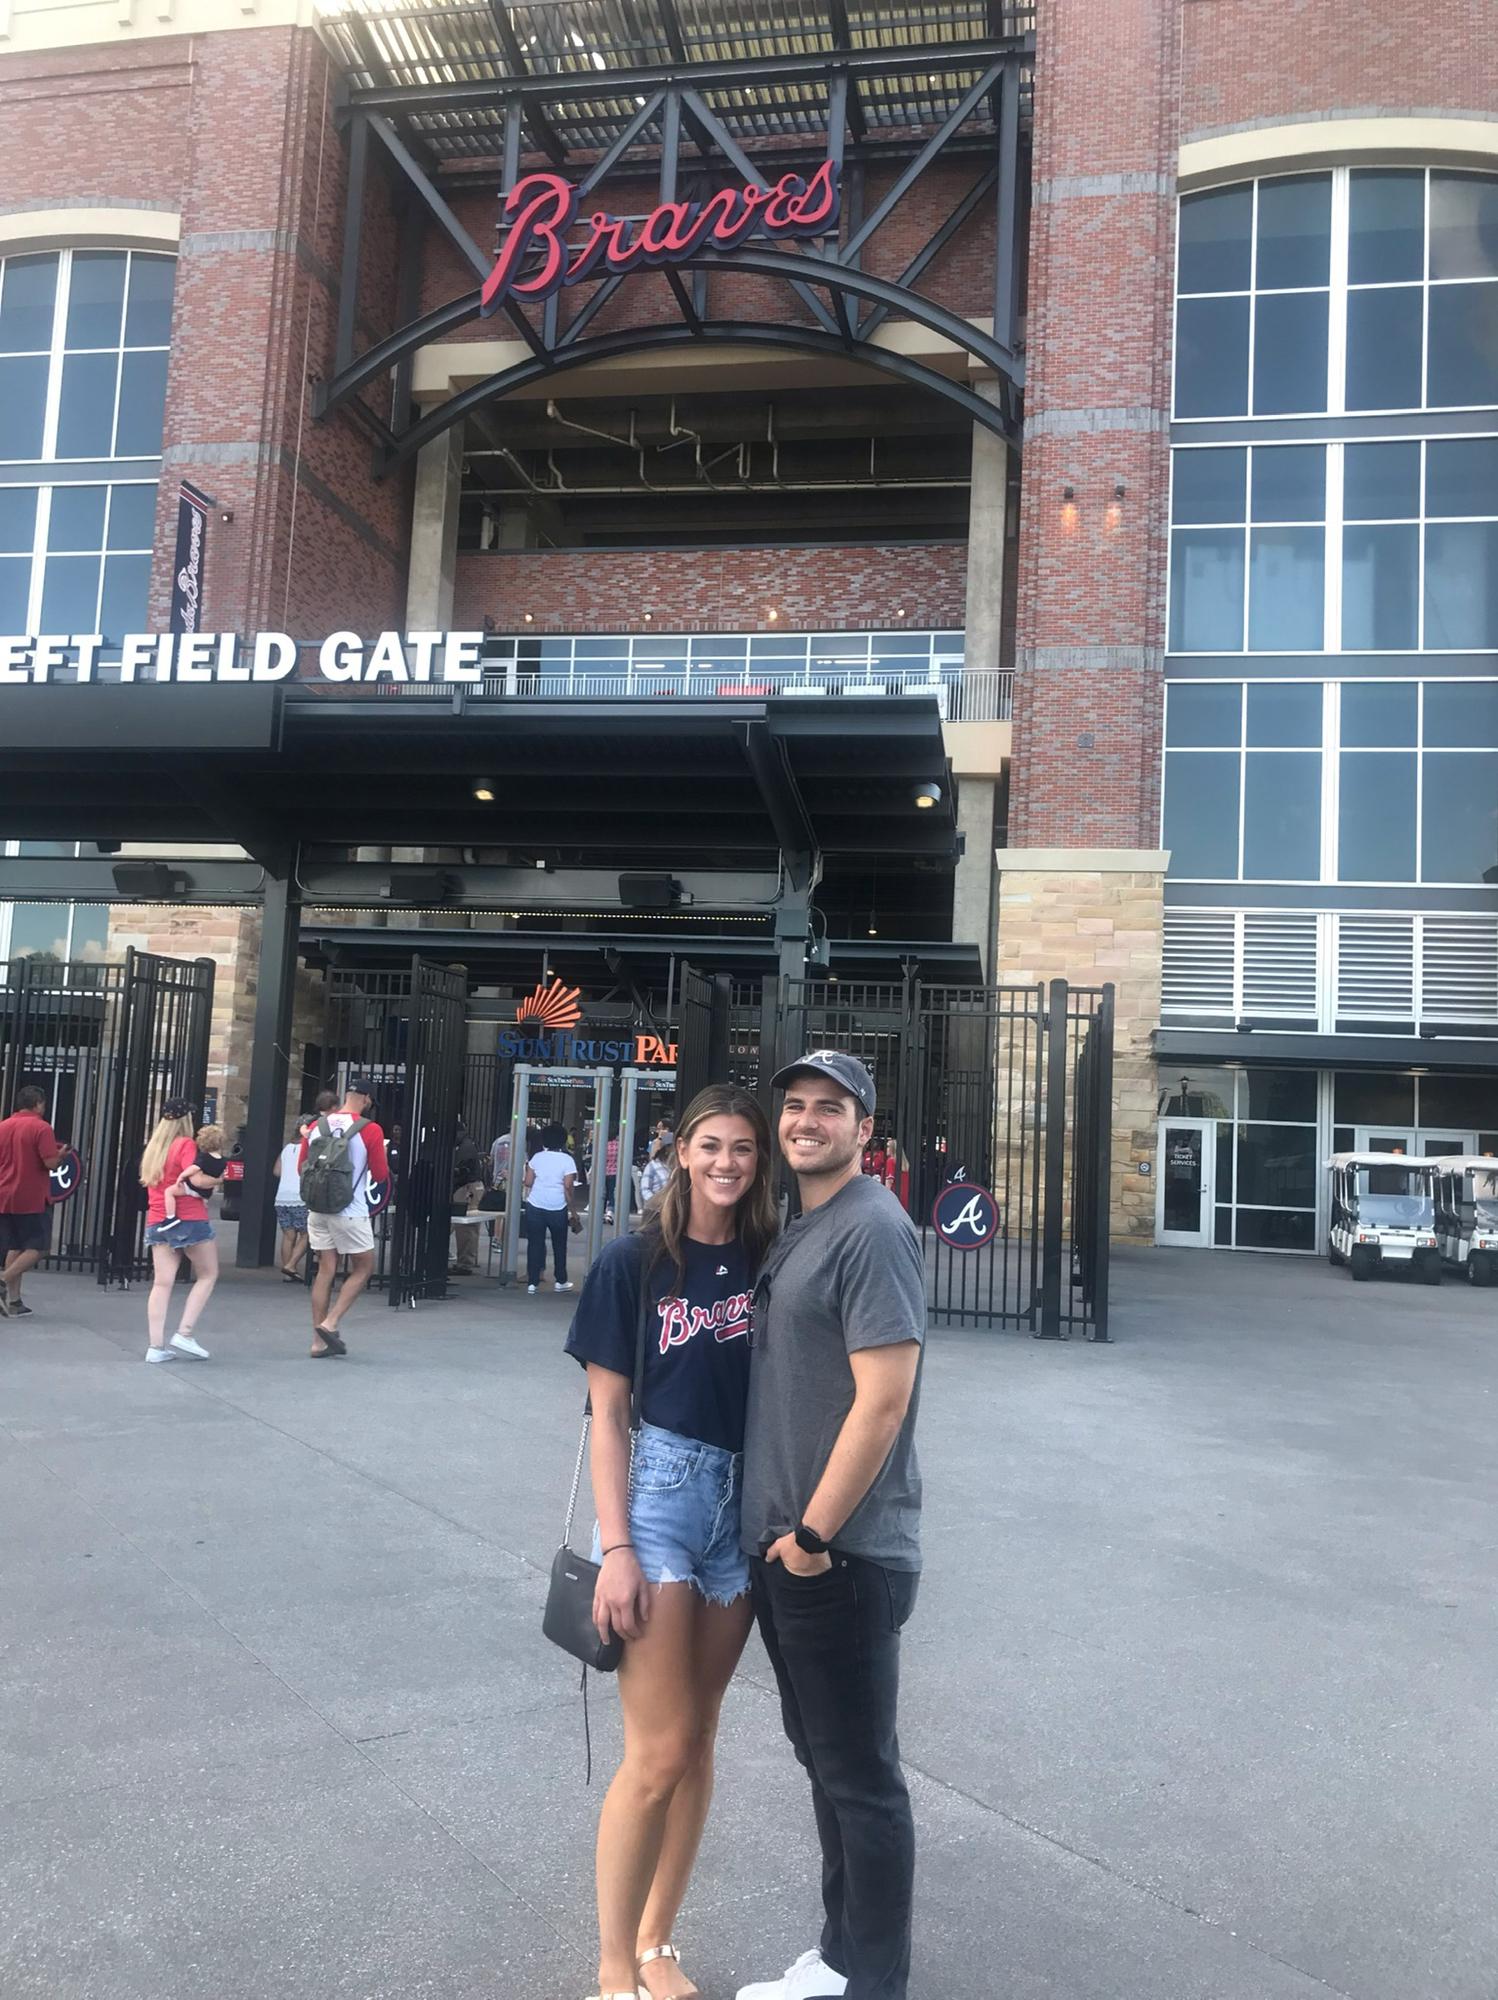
(809,1541)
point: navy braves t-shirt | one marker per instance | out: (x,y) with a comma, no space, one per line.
(696,1335)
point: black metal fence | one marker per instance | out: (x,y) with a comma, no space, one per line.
(108,1044)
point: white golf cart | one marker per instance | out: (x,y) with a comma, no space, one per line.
(1467,1216)
(1384,1215)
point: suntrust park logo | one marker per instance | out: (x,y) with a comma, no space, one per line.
(555,1009)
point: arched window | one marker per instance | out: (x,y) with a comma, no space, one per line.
(83,359)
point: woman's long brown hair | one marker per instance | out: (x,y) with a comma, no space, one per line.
(756,1219)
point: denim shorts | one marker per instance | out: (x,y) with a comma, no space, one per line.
(684,1508)
(178,1235)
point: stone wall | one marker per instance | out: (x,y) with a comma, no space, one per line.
(1094,917)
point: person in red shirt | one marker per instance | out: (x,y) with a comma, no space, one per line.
(171,1161)
(28,1153)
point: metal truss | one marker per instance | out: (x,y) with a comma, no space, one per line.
(693,150)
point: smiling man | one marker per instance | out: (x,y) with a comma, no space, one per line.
(832,1504)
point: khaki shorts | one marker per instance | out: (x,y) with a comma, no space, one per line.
(347,1233)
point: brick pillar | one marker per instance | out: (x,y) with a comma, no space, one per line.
(1091,614)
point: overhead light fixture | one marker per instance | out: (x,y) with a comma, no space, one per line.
(423,888)
(483,791)
(649,892)
(150,878)
(927,795)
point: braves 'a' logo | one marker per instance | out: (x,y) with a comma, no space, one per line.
(681,1322)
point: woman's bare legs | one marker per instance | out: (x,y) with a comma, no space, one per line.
(293,1247)
(719,1633)
(203,1258)
(164,1276)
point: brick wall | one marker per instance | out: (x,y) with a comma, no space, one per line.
(715,590)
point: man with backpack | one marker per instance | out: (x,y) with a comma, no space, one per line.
(340,1152)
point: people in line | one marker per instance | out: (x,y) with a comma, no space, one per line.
(674,1580)
(551,1209)
(291,1212)
(338,1151)
(29,1150)
(468,1192)
(831,1518)
(173,1164)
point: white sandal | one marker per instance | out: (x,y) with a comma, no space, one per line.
(646,1957)
(613,1996)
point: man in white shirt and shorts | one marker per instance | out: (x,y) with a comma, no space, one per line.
(349,1233)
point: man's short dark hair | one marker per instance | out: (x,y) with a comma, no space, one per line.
(30,1097)
(553,1138)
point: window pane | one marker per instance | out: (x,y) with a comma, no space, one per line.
(1376,823)
(1276,1229)
(1378,715)
(1206,590)
(70,590)
(1295,231)
(1373,1099)
(1202,716)
(1381,482)
(132,517)
(1282,817)
(123,607)
(1386,227)
(1461,476)
(1286,589)
(23,406)
(1284,715)
(1383,350)
(96,297)
(1196,1093)
(148,316)
(39,930)
(1289,482)
(1463,226)
(1290,353)
(1459,1102)
(15,589)
(1277,1165)
(1461,584)
(1285,1095)
(1463,346)
(17,519)
(1380,588)
(1208,485)
(1460,809)
(77,519)
(90,931)
(1461,715)
(1212,358)
(26,301)
(1214,240)
(142,405)
(1201,813)
(85,422)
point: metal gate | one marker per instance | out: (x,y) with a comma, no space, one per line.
(108,1044)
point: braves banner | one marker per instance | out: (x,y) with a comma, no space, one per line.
(64,1179)
(965,1216)
(187,563)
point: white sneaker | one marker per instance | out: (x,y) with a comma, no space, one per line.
(530,1291)
(566,1286)
(160,1354)
(185,1344)
(810,1978)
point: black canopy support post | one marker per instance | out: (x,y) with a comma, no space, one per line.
(429,192)
(853,210)
(1007,246)
(1053,1185)
(408,304)
(656,105)
(842,38)
(934,245)
(541,128)
(907,179)
(270,1061)
(513,116)
(784,806)
(353,231)
(1103,1139)
(684,299)
(670,144)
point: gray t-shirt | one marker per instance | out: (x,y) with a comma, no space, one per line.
(845,1276)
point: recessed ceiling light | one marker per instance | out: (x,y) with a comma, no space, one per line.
(483,791)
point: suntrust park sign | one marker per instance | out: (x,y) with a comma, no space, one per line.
(226,656)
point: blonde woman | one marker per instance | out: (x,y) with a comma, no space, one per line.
(674,1582)
(171,1162)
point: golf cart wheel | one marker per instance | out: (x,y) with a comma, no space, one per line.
(1429,1270)
(1479,1268)
(1362,1264)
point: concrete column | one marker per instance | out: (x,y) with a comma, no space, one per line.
(987,523)
(434,533)
(973,884)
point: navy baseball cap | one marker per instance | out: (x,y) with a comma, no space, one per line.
(844,1070)
(359,1086)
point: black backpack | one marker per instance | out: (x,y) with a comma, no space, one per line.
(327,1185)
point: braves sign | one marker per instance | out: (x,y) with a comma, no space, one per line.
(540,213)
(64,1179)
(965,1216)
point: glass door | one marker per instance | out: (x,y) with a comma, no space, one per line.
(1445,1145)
(1386,1139)
(1186,1170)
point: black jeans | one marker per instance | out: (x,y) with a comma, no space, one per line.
(539,1224)
(834,1642)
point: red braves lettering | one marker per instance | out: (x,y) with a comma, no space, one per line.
(540,212)
(681,1322)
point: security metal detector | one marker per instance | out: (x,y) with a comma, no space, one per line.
(652,1082)
(601,1083)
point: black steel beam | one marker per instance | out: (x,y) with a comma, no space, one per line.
(542,130)
(353,228)
(61,879)
(913,170)
(837,15)
(363,885)
(1008,218)
(265,1112)
(784,804)
(934,246)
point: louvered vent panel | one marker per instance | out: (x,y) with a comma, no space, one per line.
(1375,967)
(1279,962)
(1459,969)
(1198,968)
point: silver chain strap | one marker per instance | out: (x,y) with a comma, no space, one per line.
(577,1475)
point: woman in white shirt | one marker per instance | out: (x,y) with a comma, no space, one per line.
(550,1177)
(290,1214)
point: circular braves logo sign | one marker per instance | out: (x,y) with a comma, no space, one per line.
(376,1193)
(64,1178)
(965,1216)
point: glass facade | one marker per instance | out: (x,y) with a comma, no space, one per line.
(60,932)
(1266,1151)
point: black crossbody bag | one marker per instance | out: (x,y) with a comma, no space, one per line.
(568,1618)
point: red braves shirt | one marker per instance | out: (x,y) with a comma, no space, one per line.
(27,1148)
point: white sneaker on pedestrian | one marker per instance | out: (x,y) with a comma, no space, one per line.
(810,1978)
(530,1291)
(160,1354)
(185,1344)
(565,1286)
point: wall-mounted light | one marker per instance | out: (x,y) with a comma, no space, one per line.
(1068,492)
(530,617)
(927,794)
(648,616)
(226,515)
(1119,489)
(771,616)
(483,791)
